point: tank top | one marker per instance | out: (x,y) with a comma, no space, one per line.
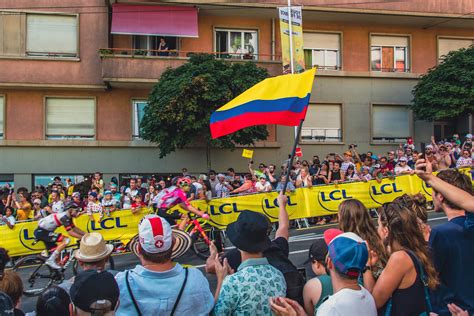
(335,175)
(410,301)
(326,289)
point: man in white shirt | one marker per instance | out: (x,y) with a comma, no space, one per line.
(347,258)
(263,185)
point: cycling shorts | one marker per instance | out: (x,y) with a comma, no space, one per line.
(50,239)
(169,216)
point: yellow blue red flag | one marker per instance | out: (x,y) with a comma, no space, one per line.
(281,100)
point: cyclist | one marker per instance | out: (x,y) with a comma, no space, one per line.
(56,241)
(175,195)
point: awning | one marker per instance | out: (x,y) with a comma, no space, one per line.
(154,20)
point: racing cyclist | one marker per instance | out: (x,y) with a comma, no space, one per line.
(56,241)
(176,195)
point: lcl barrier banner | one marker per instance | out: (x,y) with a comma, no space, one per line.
(121,225)
(315,201)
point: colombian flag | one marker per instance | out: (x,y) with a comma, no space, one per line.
(279,100)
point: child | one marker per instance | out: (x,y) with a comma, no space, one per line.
(93,206)
(137,204)
(365,176)
(108,203)
(8,219)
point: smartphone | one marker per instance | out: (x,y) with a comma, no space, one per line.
(302,272)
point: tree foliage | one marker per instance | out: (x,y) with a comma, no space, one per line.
(446,90)
(181,103)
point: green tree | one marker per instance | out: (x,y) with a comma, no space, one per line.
(447,90)
(181,104)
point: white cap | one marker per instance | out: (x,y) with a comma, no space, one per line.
(469,136)
(155,234)
(220,175)
(429,146)
(403,158)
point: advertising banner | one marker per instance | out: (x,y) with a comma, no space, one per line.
(297,30)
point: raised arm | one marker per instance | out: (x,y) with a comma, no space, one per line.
(283,219)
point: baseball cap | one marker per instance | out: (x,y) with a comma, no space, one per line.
(220,175)
(156,236)
(107,192)
(91,286)
(374,157)
(37,201)
(76,194)
(94,194)
(469,136)
(429,146)
(403,158)
(318,251)
(6,305)
(347,251)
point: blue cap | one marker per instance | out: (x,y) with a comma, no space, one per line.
(374,157)
(347,251)
(107,192)
(94,194)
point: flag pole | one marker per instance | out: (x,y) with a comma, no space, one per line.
(290,37)
(292,156)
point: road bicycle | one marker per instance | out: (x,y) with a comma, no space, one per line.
(37,276)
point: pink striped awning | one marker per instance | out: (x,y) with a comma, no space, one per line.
(154,20)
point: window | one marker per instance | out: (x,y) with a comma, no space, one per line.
(138,112)
(323,123)
(237,44)
(12,34)
(322,50)
(55,35)
(70,118)
(6,179)
(389,53)
(2,114)
(148,45)
(390,123)
(446,45)
(46,180)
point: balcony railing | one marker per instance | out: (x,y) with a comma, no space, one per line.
(186,54)
(321,134)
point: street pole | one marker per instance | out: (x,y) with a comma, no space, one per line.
(290,30)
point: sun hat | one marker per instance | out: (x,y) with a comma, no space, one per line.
(347,251)
(249,232)
(6,305)
(91,286)
(156,236)
(93,248)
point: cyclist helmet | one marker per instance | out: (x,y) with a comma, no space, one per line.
(71,205)
(183,182)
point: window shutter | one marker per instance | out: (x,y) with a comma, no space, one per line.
(446,45)
(321,40)
(70,117)
(380,40)
(390,121)
(323,116)
(51,34)
(2,119)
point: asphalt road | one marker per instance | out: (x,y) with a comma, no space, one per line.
(300,241)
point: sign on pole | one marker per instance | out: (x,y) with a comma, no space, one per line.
(297,38)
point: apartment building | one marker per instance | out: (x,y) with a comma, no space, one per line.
(75,75)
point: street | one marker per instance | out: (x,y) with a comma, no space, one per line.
(300,241)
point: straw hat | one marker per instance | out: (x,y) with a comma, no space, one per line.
(93,248)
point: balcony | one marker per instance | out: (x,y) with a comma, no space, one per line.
(137,68)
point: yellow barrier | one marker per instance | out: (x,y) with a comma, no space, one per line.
(305,202)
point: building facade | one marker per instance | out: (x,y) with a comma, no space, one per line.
(75,75)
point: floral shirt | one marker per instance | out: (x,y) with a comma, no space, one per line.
(246,292)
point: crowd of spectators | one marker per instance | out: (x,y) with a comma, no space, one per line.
(104,198)
(394,266)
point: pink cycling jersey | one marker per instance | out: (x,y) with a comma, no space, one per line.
(170,197)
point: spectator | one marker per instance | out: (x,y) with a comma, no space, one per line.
(153,287)
(318,288)
(403,285)
(76,198)
(150,195)
(452,247)
(24,209)
(93,206)
(231,175)
(249,289)
(271,176)
(417,203)
(322,175)
(429,155)
(365,174)
(116,194)
(402,167)
(6,305)
(108,204)
(57,204)
(277,255)
(94,293)
(223,187)
(129,194)
(247,187)
(347,161)
(263,185)
(141,188)
(465,160)
(304,179)
(354,217)
(163,51)
(314,168)
(205,193)
(351,175)
(39,212)
(289,187)
(137,204)
(8,219)
(93,254)
(4,259)
(443,157)
(98,182)
(12,285)
(54,301)
(336,175)
(213,181)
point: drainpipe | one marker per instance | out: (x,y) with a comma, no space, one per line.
(273,39)
(110,39)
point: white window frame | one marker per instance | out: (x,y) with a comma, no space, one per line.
(255,54)
(395,47)
(389,140)
(68,137)
(325,50)
(3,111)
(54,54)
(313,134)
(135,123)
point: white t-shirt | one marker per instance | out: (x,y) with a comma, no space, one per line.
(263,187)
(349,302)
(399,169)
(57,206)
(127,202)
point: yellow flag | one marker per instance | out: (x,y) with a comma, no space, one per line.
(247,153)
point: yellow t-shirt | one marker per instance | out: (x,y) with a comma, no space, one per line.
(25,212)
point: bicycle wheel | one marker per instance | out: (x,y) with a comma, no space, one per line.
(35,274)
(75,265)
(200,245)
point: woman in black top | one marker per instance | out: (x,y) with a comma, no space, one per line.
(399,290)
(336,175)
